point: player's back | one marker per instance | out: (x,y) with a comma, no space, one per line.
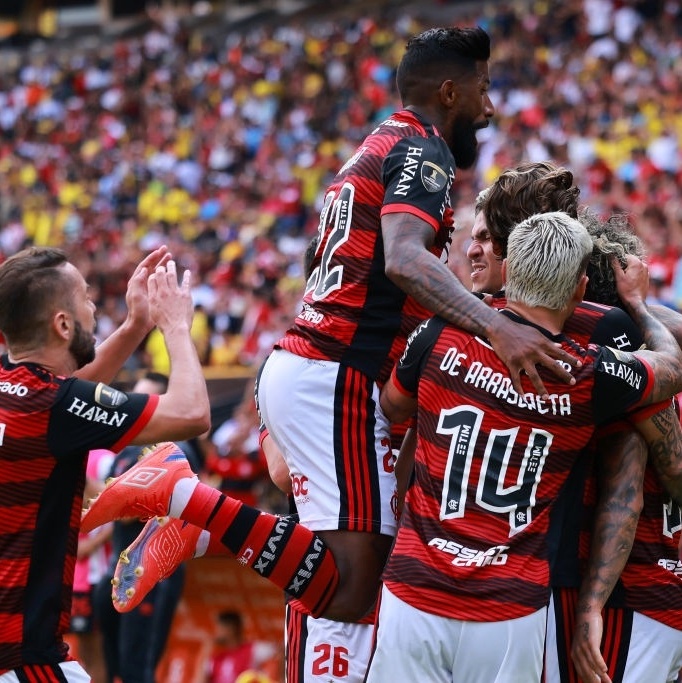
(352,312)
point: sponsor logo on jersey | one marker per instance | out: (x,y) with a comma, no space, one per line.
(92,413)
(434,178)
(13,389)
(310,315)
(471,557)
(393,123)
(446,196)
(622,370)
(622,342)
(674,566)
(244,558)
(300,485)
(422,326)
(109,397)
(409,171)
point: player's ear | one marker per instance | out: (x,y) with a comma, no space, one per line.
(581,287)
(504,271)
(62,324)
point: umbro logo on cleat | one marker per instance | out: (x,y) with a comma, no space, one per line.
(143,477)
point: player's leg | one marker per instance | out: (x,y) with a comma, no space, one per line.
(413,645)
(336,444)
(317,650)
(654,653)
(558,666)
(334,573)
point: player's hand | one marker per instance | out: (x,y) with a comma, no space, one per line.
(522,348)
(585,652)
(170,302)
(137,299)
(632,282)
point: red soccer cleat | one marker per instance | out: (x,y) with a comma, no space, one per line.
(155,554)
(143,491)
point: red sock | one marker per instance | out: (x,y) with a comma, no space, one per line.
(284,552)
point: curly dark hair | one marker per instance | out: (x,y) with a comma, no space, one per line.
(530,188)
(614,236)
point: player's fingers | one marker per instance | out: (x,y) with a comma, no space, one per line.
(531,372)
(154,258)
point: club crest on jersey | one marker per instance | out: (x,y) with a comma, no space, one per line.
(433,177)
(109,397)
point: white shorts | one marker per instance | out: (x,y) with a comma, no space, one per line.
(416,646)
(639,648)
(322,650)
(335,439)
(73,672)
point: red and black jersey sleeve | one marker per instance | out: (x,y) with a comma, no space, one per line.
(417,174)
(95,415)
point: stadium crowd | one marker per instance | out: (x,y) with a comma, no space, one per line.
(221,144)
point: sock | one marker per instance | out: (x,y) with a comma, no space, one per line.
(203,544)
(287,554)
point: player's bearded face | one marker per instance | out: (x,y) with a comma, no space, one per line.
(464,145)
(82,346)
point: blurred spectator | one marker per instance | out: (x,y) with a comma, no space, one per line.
(236,464)
(235,658)
(221,144)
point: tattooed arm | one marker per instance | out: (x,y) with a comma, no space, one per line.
(664,354)
(671,319)
(663,435)
(621,460)
(662,431)
(411,266)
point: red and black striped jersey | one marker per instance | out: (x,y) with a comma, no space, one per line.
(651,581)
(352,313)
(489,466)
(47,426)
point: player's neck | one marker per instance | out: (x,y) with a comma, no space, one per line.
(58,363)
(551,320)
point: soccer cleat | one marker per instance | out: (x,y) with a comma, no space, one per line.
(143,491)
(155,554)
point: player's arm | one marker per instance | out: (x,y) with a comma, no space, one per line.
(398,398)
(404,465)
(183,411)
(620,462)
(671,319)
(664,355)
(113,352)
(417,271)
(396,404)
(663,435)
(277,467)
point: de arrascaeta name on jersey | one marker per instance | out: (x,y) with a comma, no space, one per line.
(499,385)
